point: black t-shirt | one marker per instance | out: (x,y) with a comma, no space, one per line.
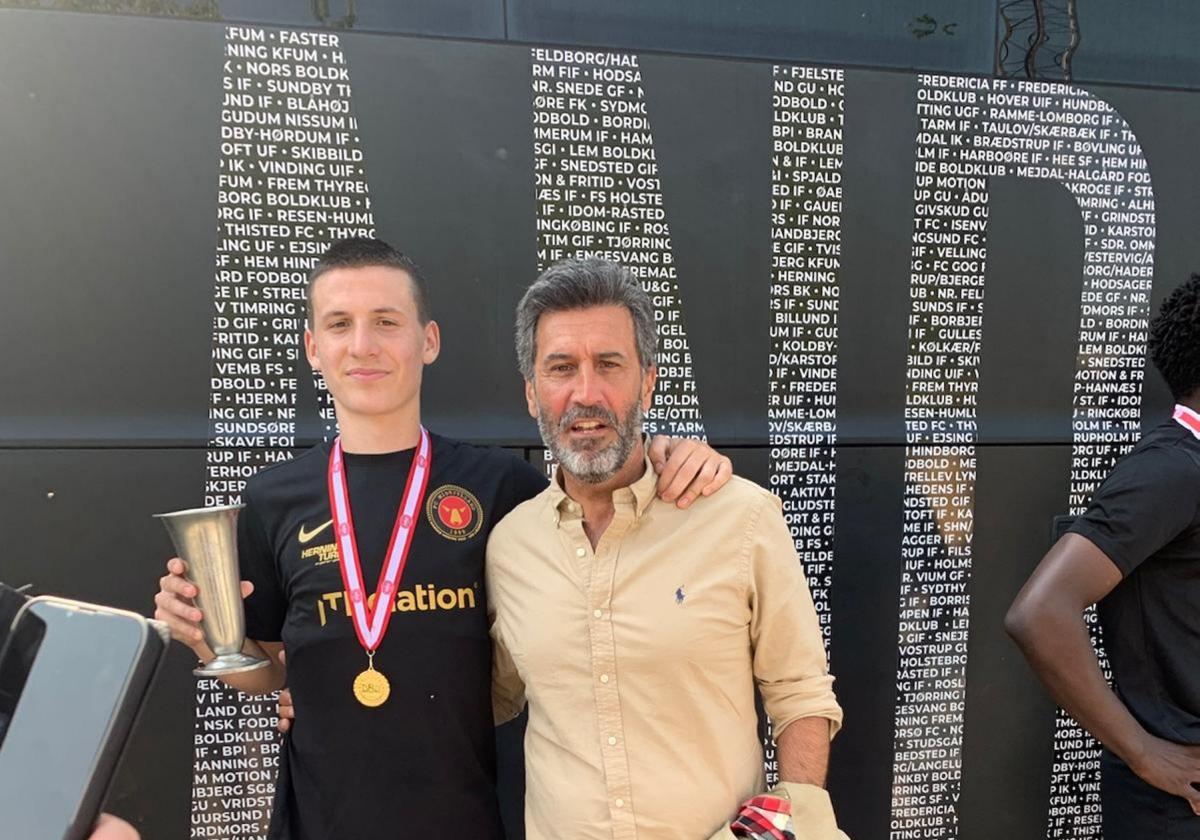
(1146,518)
(424,761)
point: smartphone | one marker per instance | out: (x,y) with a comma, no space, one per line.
(73,677)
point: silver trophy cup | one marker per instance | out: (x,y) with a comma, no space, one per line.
(206,540)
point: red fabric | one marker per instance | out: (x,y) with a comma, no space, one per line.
(764,818)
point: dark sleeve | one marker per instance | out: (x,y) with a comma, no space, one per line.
(1148,499)
(266,607)
(524,481)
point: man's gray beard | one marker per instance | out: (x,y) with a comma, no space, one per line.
(590,465)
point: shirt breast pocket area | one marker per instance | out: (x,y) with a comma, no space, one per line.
(693,621)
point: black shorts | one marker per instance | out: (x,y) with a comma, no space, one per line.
(1134,810)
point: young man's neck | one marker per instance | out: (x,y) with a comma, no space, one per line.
(1191,401)
(378,435)
(596,499)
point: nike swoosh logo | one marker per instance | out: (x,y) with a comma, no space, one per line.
(306,536)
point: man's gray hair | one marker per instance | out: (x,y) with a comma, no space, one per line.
(580,284)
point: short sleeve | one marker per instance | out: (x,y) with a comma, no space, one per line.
(266,607)
(524,482)
(1148,499)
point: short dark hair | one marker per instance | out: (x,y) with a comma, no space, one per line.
(362,252)
(1175,339)
(580,284)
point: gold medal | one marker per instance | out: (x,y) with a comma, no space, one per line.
(371,688)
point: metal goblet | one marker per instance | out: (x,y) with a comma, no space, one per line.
(206,540)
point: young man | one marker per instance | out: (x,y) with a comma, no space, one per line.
(392,694)
(1136,551)
(638,631)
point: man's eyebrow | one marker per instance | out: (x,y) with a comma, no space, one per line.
(606,354)
(377,310)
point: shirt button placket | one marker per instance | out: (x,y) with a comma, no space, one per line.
(608,698)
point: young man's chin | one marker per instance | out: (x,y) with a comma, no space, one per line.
(355,404)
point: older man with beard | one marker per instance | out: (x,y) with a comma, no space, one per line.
(638,631)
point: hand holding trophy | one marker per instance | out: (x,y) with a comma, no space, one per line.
(200,598)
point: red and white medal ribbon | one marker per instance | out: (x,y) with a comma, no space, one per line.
(370,628)
(1187,418)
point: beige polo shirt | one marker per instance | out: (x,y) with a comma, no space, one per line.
(639,659)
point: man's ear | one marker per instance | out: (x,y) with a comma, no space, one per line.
(433,343)
(310,349)
(531,399)
(648,382)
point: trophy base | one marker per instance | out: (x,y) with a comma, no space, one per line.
(231,663)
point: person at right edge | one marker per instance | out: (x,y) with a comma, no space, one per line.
(1136,553)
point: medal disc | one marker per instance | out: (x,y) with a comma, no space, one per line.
(371,688)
